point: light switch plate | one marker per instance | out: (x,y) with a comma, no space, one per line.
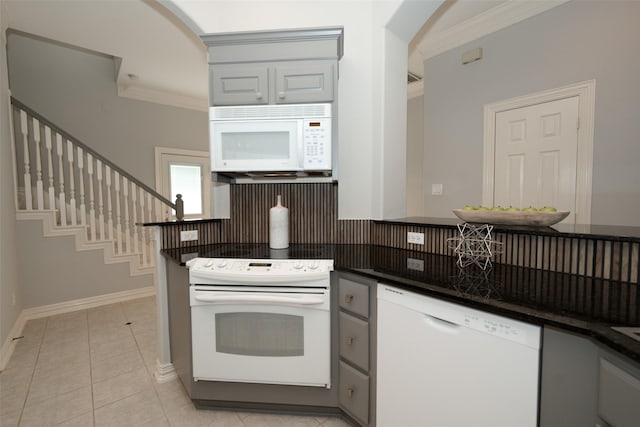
(415,238)
(188,235)
(436,189)
(415,264)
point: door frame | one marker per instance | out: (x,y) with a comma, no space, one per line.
(159,173)
(585,91)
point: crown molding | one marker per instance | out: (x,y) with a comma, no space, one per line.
(490,21)
(173,99)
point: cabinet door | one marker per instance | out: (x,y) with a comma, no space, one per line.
(238,85)
(618,394)
(310,81)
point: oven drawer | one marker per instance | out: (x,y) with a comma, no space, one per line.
(354,297)
(354,341)
(354,393)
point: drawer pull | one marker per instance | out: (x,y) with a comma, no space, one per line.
(258,95)
(349,340)
(348,298)
(282,95)
(350,391)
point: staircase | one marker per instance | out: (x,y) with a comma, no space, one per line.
(77,192)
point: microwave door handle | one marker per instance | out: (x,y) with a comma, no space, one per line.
(260,299)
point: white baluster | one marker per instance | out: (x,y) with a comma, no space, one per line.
(143,230)
(39,189)
(148,246)
(107,175)
(61,195)
(127,220)
(83,207)
(92,203)
(72,185)
(118,215)
(100,201)
(134,216)
(24,129)
(51,191)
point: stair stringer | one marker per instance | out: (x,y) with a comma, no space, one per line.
(50,228)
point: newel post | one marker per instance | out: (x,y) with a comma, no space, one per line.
(179,207)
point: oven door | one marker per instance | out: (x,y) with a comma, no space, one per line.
(261,335)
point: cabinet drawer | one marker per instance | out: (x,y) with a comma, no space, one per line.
(354,297)
(354,340)
(354,393)
(618,396)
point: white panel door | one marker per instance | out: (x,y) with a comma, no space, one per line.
(535,156)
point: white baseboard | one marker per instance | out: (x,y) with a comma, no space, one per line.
(10,344)
(165,372)
(65,307)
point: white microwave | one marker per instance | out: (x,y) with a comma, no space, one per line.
(271,138)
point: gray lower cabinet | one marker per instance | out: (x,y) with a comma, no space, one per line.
(273,83)
(618,392)
(357,329)
(583,384)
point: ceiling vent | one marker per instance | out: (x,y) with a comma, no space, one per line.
(411,77)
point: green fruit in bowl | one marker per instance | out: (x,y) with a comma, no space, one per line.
(483,208)
(497,208)
(548,209)
(530,209)
(512,209)
(469,208)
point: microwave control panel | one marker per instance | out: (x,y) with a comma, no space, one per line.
(317,144)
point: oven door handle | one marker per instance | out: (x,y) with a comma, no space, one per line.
(260,299)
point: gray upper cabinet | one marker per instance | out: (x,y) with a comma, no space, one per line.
(308,81)
(239,85)
(281,83)
(274,67)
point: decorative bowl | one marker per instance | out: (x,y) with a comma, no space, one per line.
(535,218)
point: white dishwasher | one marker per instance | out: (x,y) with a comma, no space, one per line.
(447,365)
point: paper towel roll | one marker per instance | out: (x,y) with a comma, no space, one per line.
(279,226)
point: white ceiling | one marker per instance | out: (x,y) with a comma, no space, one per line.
(169,61)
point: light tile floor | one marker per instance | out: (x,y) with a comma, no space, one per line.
(95,368)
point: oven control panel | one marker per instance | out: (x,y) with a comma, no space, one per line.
(224,270)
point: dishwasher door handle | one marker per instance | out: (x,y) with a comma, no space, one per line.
(442,325)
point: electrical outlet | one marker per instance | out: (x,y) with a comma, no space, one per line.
(415,264)
(415,238)
(188,235)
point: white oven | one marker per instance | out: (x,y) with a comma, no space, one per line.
(261,321)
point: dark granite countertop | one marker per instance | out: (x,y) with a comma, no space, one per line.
(584,305)
(611,232)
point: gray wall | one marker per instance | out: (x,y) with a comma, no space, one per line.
(415,154)
(62,274)
(76,89)
(9,280)
(577,41)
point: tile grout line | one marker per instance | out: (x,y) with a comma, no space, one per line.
(93,406)
(33,371)
(149,374)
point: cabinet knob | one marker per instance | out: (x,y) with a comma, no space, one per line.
(350,391)
(349,340)
(258,95)
(282,95)
(348,298)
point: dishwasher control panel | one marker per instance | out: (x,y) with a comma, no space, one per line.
(506,329)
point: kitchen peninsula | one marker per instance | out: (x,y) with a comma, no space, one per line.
(575,282)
